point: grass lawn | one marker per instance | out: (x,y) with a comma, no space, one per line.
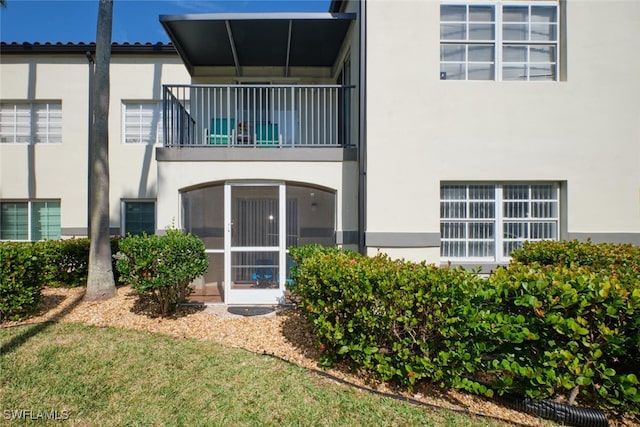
(111,376)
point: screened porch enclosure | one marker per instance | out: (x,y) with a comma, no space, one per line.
(247,228)
(256,115)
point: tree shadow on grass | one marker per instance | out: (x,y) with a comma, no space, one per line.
(145,305)
(47,304)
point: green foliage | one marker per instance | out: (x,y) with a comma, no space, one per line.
(400,320)
(27,266)
(623,260)
(557,327)
(86,371)
(20,279)
(565,315)
(162,266)
(66,262)
(545,325)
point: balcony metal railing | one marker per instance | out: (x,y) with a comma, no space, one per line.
(257,115)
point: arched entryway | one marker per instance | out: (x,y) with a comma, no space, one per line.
(247,228)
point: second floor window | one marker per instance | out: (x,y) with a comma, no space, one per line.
(30,122)
(142,122)
(498,40)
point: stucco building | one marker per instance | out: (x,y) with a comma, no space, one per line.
(442,131)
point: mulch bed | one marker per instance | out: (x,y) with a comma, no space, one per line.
(282,333)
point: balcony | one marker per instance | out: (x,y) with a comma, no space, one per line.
(257,116)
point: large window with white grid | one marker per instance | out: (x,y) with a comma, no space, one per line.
(30,220)
(30,122)
(499,40)
(142,122)
(486,222)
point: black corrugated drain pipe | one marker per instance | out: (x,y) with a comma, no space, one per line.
(559,412)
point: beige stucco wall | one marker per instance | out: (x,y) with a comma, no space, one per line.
(176,176)
(60,170)
(583,132)
(133,166)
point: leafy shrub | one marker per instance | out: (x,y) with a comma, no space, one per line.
(563,316)
(623,260)
(400,320)
(162,266)
(20,279)
(542,328)
(66,262)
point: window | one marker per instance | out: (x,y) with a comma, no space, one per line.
(142,122)
(486,222)
(30,220)
(498,40)
(139,217)
(29,123)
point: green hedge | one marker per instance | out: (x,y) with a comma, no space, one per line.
(540,330)
(66,262)
(162,267)
(26,267)
(582,303)
(603,258)
(400,320)
(553,328)
(20,280)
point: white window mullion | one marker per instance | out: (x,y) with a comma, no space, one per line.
(29,220)
(498,232)
(557,215)
(140,120)
(529,212)
(498,42)
(467,230)
(282,235)
(33,122)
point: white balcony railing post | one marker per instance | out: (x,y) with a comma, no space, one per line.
(280,115)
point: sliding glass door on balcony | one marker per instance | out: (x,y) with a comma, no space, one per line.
(256,115)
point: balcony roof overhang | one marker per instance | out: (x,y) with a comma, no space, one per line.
(258,40)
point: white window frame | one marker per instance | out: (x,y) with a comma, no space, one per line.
(41,121)
(499,220)
(499,43)
(30,218)
(138,137)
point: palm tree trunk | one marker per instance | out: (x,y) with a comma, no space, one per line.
(100,282)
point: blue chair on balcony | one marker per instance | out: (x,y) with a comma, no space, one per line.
(222,131)
(267,134)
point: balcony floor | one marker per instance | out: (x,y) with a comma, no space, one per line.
(209,293)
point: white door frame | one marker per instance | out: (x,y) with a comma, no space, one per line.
(255,295)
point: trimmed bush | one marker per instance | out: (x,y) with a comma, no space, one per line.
(603,258)
(20,280)
(400,320)
(555,328)
(66,262)
(162,267)
(565,316)
(571,326)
